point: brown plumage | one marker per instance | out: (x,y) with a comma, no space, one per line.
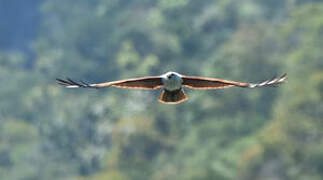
(148,82)
(172,97)
(172,84)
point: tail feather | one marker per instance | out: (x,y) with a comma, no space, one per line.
(172,97)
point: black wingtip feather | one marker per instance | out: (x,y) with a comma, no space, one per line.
(273,82)
(62,82)
(69,83)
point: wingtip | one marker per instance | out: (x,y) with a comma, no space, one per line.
(273,82)
(61,82)
(284,76)
(69,83)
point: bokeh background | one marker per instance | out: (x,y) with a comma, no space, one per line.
(51,133)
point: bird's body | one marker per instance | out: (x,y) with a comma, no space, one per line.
(172,84)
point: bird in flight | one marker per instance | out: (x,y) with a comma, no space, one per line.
(172,84)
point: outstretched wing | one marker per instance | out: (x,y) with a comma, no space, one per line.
(213,83)
(148,82)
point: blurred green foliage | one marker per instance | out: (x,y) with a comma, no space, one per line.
(48,132)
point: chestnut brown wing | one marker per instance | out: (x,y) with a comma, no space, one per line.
(148,82)
(213,83)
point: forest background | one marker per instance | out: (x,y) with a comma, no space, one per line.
(48,132)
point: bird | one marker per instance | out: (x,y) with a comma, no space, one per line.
(172,84)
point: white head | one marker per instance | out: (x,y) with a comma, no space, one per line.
(172,80)
(172,75)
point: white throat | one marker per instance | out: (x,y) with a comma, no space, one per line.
(172,81)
